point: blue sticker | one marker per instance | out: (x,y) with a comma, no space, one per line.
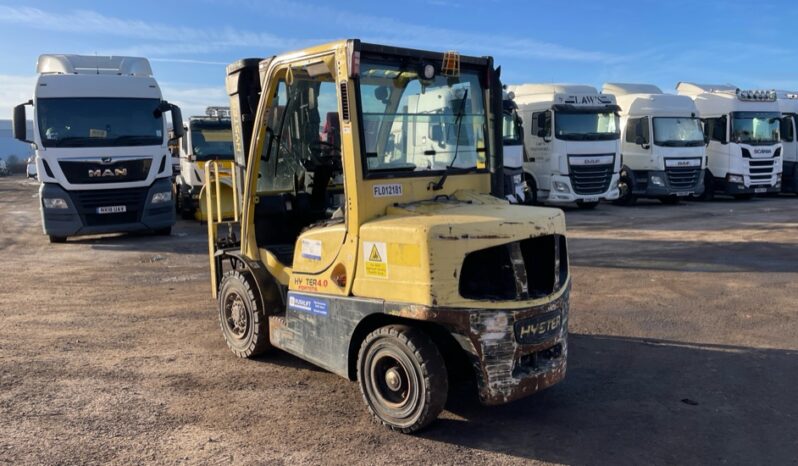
(308,304)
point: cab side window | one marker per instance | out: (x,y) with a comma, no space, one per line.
(715,129)
(787,130)
(541,124)
(637,131)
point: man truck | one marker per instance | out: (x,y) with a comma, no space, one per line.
(572,143)
(744,154)
(205,138)
(100,135)
(419,267)
(663,152)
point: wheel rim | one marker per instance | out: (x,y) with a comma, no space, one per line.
(393,385)
(236,316)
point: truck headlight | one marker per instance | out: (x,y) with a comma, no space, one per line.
(657,180)
(735,179)
(561,187)
(165,196)
(55,203)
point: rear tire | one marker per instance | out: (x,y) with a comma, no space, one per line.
(402,377)
(57,239)
(587,205)
(244,324)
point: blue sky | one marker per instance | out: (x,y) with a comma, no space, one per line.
(750,44)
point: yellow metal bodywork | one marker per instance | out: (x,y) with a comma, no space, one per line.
(423,234)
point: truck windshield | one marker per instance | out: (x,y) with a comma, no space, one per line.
(99,122)
(755,127)
(678,132)
(511,133)
(412,124)
(212,140)
(586,126)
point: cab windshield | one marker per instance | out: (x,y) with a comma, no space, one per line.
(678,132)
(586,126)
(755,127)
(99,122)
(511,131)
(212,140)
(416,125)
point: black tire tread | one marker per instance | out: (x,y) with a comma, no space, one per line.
(259,343)
(433,371)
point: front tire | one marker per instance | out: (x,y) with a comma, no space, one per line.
(625,186)
(243,322)
(402,377)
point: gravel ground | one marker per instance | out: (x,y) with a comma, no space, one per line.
(684,350)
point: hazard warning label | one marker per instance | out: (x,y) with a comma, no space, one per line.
(375,256)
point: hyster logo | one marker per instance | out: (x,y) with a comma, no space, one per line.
(107,172)
(540,328)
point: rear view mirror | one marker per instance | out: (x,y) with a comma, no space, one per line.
(381,94)
(541,133)
(177,121)
(20,123)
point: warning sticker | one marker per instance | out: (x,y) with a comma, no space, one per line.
(311,249)
(375,256)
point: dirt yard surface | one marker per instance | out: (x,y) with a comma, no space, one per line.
(684,350)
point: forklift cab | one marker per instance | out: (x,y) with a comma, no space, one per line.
(374,240)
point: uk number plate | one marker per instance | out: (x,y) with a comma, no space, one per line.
(760,190)
(112,209)
(684,194)
(590,199)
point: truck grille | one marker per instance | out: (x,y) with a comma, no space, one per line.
(88,201)
(761,170)
(683,178)
(591,179)
(87,172)
(526,269)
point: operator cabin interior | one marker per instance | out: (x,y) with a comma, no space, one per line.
(409,124)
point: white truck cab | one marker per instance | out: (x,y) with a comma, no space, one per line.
(744,154)
(515,187)
(572,143)
(100,134)
(788,105)
(205,138)
(663,150)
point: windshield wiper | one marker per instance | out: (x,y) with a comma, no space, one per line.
(459,119)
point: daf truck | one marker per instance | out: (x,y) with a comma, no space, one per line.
(663,151)
(572,144)
(788,105)
(100,136)
(205,138)
(744,153)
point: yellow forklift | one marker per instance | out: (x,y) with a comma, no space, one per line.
(370,236)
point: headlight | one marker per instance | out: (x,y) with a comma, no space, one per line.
(657,180)
(561,187)
(165,196)
(55,203)
(735,179)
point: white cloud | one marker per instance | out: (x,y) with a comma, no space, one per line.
(14,90)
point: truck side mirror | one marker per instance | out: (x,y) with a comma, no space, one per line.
(640,141)
(20,123)
(177,121)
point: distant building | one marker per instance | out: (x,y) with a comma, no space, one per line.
(10,146)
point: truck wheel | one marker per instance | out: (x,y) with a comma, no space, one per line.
(669,200)
(709,188)
(531,193)
(402,377)
(243,322)
(587,205)
(625,187)
(57,239)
